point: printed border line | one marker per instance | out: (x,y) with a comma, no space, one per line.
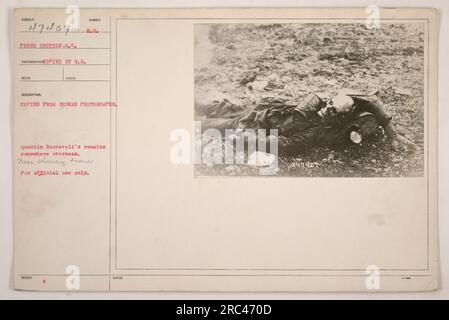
(110,152)
(298,19)
(428,143)
(226,275)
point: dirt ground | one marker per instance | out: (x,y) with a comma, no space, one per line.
(246,62)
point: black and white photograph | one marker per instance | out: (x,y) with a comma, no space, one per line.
(318,99)
(237,151)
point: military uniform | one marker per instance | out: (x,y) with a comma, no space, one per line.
(299,124)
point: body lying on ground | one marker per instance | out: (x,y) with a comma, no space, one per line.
(313,122)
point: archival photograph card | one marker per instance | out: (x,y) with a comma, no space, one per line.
(237,150)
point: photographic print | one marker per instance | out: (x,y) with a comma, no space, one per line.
(141,139)
(310,99)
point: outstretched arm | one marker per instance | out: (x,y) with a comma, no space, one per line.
(384,120)
(376,109)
